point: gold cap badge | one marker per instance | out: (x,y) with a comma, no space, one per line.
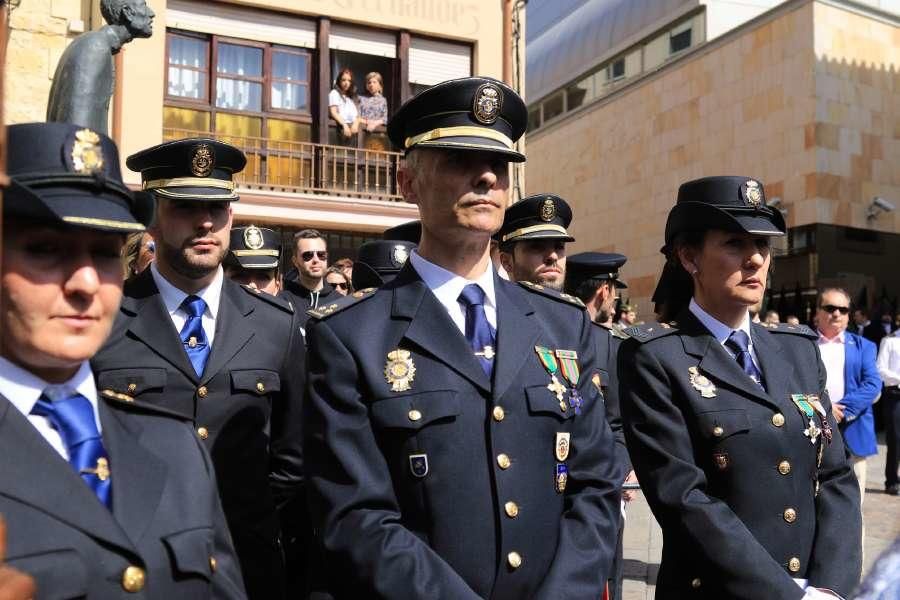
(87,155)
(488,100)
(548,210)
(753,193)
(202,160)
(253,238)
(399,255)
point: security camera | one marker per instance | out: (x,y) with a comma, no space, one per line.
(878,205)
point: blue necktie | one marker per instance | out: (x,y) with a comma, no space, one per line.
(479,332)
(739,343)
(192,335)
(73,418)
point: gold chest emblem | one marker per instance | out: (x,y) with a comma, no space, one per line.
(399,370)
(701,383)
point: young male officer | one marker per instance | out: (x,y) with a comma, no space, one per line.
(104,495)
(189,339)
(459,449)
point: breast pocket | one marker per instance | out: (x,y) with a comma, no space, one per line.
(719,425)
(191,552)
(257,382)
(415,411)
(541,401)
(61,574)
(132,382)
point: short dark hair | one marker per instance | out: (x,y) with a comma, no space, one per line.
(839,290)
(307,234)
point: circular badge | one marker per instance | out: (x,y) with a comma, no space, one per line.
(87,154)
(253,238)
(752,193)
(487,103)
(548,210)
(399,255)
(202,160)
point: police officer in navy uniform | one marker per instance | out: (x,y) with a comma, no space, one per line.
(728,422)
(104,495)
(593,278)
(380,261)
(230,356)
(252,260)
(459,449)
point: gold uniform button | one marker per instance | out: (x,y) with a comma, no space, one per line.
(414,415)
(212,564)
(512,509)
(260,387)
(499,413)
(133,579)
(695,582)
(203,432)
(514,559)
(503,461)
(132,388)
(794,565)
(790,515)
(718,431)
(778,420)
(202,391)
(784,467)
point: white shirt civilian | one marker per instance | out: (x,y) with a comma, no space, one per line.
(172,298)
(832,351)
(346,106)
(889,360)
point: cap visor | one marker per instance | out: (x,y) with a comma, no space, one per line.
(541,235)
(620,284)
(82,208)
(201,194)
(257,262)
(473,143)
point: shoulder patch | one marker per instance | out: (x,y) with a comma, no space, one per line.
(342,303)
(795,329)
(276,301)
(125,402)
(551,293)
(649,331)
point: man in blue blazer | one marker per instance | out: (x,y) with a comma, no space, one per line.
(853,380)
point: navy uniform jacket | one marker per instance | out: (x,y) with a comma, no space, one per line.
(731,478)
(166,518)
(246,406)
(607,347)
(393,530)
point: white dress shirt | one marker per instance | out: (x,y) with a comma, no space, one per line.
(889,360)
(172,298)
(722,332)
(832,351)
(447,287)
(23,389)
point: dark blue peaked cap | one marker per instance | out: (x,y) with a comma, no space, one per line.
(472,113)
(254,247)
(63,173)
(598,266)
(542,216)
(379,262)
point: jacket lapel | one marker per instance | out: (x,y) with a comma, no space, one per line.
(431,328)
(233,329)
(134,504)
(152,324)
(851,360)
(29,459)
(775,369)
(516,334)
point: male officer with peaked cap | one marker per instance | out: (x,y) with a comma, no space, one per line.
(191,340)
(252,260)
(459,449)
(104,495)
(379,262)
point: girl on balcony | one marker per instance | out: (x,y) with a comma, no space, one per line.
(373,108)
(342,107)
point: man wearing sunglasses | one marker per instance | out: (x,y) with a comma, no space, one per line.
(309,290)
(853,382)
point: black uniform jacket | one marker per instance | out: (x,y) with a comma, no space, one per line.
(607,348)
(166,521)
(246,406)
(411,489)
(731,478)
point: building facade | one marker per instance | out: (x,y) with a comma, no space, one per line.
(257,73)
(804,96)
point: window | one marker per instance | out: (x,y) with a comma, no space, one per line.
(680,38)
(188,67)
(616,69)
(534,117)
(554,106)
(239,81)
(290,79)
(580,92)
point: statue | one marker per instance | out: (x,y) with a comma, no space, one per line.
(85,75)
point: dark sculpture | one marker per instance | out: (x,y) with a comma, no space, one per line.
(85,75)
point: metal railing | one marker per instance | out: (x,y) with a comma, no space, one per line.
(306,167)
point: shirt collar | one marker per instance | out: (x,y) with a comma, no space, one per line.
(173,297)
(717,328)
(23,388)
(447,286)
(838,339)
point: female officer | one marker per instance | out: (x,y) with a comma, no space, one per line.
(727,421)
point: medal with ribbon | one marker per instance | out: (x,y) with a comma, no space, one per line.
(568,364)
(812,432)
(823,416)
(549,361)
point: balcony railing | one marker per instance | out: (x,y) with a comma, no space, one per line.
(305,167)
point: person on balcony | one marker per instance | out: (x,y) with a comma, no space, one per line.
(373,109)
(342,105)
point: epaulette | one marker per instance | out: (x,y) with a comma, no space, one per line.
(275,301)
(649,331)
(551,293)
(338,305)
(618,333)
(126,402)
(795,329)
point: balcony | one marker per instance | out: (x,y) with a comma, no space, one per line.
(364,170)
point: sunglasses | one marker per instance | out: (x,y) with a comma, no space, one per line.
(308,255)
(340,286)
(830,308)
